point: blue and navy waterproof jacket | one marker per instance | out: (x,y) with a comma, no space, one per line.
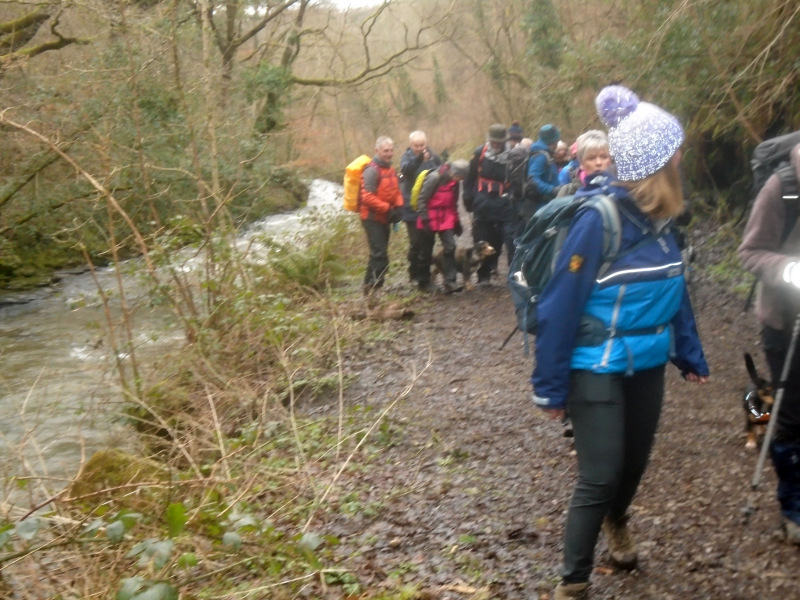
(542,171)
(640,305)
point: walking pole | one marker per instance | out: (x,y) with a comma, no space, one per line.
(773,415)
(510,335)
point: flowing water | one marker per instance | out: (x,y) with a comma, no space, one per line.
(60,400)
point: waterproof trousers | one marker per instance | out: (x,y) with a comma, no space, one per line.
(494,220)
(416,271)
(614,417)
(785,447)
(378,262)
(425,257)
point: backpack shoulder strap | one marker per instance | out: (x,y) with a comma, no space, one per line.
(480,159)
(612,228)
(791,201)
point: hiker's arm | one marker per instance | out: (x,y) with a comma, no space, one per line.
(409,165)
(537,171)
(369,189)
(561,306)
(760,250)
(468,187)
(689,356)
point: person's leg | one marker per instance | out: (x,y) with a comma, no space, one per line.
(510,226)
(482,231)
(448,239)
(644,394)
(414,269)
(596,409)
(786,459)
(785,446)
(378,241)
(425,243)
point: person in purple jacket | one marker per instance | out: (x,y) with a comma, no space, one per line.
(604,339)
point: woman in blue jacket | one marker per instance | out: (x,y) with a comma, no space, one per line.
(638,309)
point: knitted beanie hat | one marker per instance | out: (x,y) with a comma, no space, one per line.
(549,134)
(641,136)
(515,131)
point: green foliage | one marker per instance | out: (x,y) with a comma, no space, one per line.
(406,98)
(265,78)
(544,33)
(439,88)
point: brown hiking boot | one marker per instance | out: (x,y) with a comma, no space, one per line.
(572,591)
(791,531)
(621,547)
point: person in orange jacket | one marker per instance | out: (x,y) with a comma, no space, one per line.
(381,204)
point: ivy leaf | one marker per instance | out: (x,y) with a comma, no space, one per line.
(115,532)
(28,528)
(188,559)
(161,551)
(233,539)
(130,586)
(176,518)
(310,541)
(158,591)
(94,527)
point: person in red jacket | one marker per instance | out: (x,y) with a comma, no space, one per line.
(438,214)
(380,204)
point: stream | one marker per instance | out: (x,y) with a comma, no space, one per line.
(60,399)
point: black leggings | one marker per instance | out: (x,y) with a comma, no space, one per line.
(614,419)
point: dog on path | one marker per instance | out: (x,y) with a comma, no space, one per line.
(468,260)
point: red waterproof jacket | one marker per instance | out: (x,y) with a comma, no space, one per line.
(440,207)
(380,191)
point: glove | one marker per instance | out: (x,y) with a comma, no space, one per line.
(394,214)
(425,225)
(458,229)
(468,204)
(791,274)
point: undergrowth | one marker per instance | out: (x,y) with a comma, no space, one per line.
(225,501)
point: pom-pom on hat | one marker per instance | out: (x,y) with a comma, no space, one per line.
(515,131)
(497,133)
(641,136)
(549,134)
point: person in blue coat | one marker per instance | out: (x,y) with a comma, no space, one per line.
(542,185)
(604,338)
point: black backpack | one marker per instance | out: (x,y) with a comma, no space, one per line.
(772,156)
(537,250)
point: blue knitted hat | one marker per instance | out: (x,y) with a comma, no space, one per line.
(549,134)
(515,131)
(641,136)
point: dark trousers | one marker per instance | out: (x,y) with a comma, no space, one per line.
(427,240)
(415,271)
(785,447)
(614,420)
(494,220)
(378,241)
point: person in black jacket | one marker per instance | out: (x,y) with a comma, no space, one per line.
(487,195)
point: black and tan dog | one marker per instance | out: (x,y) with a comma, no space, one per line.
(758,402)
(468,260)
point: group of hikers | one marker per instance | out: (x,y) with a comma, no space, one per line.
(612,388)
(506,180)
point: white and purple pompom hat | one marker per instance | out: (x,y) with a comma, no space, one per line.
(641,136)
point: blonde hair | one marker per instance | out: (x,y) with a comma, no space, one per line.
(660,195)
(591,141)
